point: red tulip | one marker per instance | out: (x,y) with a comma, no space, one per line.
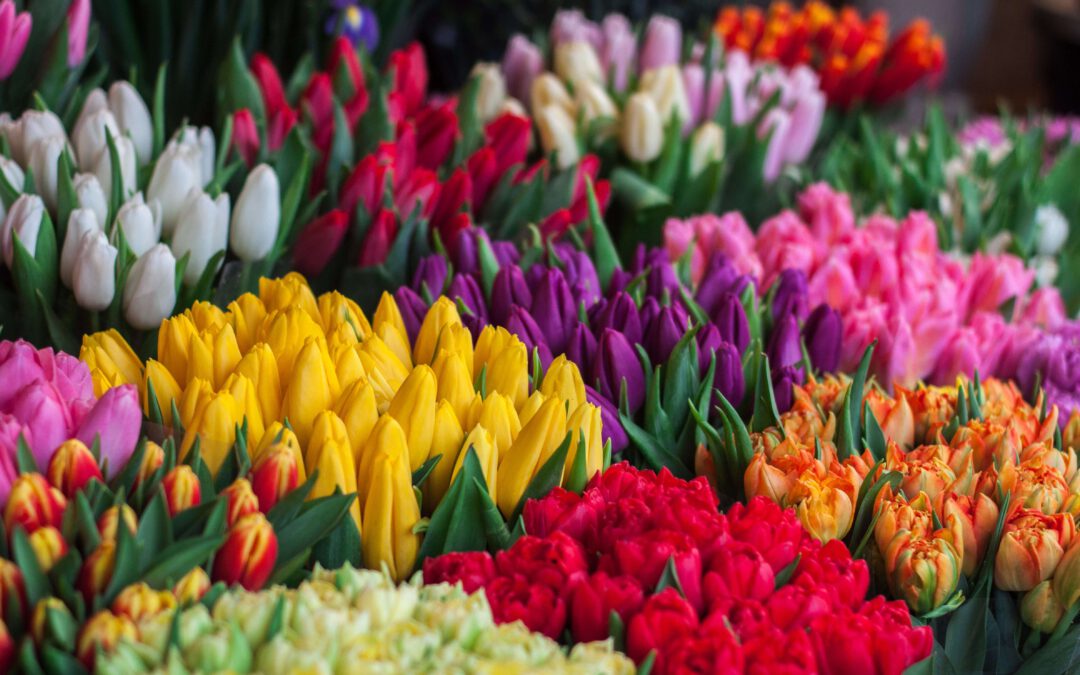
(182,490)
(556,224)
(72,467)
(7,649)
(266,74)
(665,617)
(645,556)
(453,195)
(556,561)
(365,185)
(319,241)
(274,476)
(12,587)
(410,78)
(594,599)
(343,57)
(248,555)
(419,187)
(508,136)
(379,239)
(33,503)
(579,208)
(240,501)
(517,598)
(278,125)
(97,570)
(317,102)
(436,132)
(245,136)
(484,170)
(472,569)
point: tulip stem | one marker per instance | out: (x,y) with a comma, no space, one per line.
(1064,624)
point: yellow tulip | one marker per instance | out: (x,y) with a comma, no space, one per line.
(498,416)
(309,391)
(357,409)
(243,390)
(414,408)
(532,404)
(291,290)
(112,358)
(539,438)
(585,420)
(205,316)
(246,314)
(387,314)
(386,436)
(481,441)
(213,354)
(391,514)
(446,442)
(826,507)
(166,389)
(286,332)
(385,370)
(563,380)
(397,342)
(336,311)
(347,364)
(472,413)
(260,366)
(441,314)
(174,344)
(215,426)
(195,394)
(279,435)
(508,373)
(489,344)
(456,338)
(330,454)
(455,385)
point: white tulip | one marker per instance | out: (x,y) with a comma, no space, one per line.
(33,126)
(706,147)
(176,172)
(594,103)
(23,221)
(492,90)
(257,215)
(558,135)
(80,222)
(15,178)
(641,132)
(577,62)
(43,162)
(91,141)
(125,152)
(201,231)
(513,106)
(150,289)
(91,196)
(94,278)
(666,87)
(133,117)
(1053,229)
(94,102)
(141,224)
(548,90)
(201,138)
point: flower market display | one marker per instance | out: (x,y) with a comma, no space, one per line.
(653,346)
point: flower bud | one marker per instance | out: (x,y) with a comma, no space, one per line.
(150,289)
(390,514)
(91,196)
(33,503)
(1032,545)
(595,104)
(192,586)
(662,43)
(924,572)
(665,86)
(72,467)
(94,276)
(577,63)
(182,490)
(133,118)
(641,131)
(41,627)
(33,126)
(547,90)
(414,408)
(23,222)
(48,546)
(492,90)
(240,500)
(248,555)
(257,215)
(558,135)
(177,171)
(80,223)
(125,152)
(706,147)
(537,440)
(1041,609)
(12,587)
(139,602)
(202,229)
(97,570)
(103,631)
(152,459)
(7,648)
(140,224)
(89,136)
(109,521)
(274,476)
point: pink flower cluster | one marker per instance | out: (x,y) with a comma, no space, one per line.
(47,397)
(934,316)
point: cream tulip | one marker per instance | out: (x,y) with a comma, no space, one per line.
(150,289)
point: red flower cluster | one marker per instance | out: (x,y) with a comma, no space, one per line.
(853,56)
(607,550)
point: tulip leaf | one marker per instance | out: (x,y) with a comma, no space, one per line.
(290,204)
(28,662)
(217,523)
(452,524)
(1057,656)
(66,198)
(60,629)
(469,123)
(155,529)
(744,448)
(188,522)
(647,664)
(604,251)
(316,520)
(340,547)
(849,432)
(277,618)
(284,512)
(653,451)
(578,477)
(341,150)
(116,189)
(524,209)
(670,578)
(213,595)
(421,474)
(24,458)
(498,534)
(765,413)
(873,436)
(784,575)
(965,639)
(173,562)
(489,265)
(547,478)
(34,579)
(681,379)
(863,524)
(158,113)
(237,86)
(8,192)
(125,566)
(85,522)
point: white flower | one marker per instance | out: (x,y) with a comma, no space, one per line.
(257,216)
(92,137)
(43,162)
(23,221)
(576,62)
(140,222)
(80,222)
(176,172)
(642,131)
(91,196)
(15,178)
(94,276)
(1053,229)
(33,126)
(133,117)
(201,231)
(558,135)
(706,147)
(548,90)
(125,152)
(665,86)
(492,90)
(203,139)
(150,289)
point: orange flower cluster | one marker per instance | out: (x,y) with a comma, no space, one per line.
(853,56)
(949,475)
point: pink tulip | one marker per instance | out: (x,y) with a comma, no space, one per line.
(619,49)
(45,416)
(994,280)
(775,126)
(78,17)
(1044,308)
(14,32)
(521,64)
(739,73)
(807,113)
(115,421)
(784,242)
(662,45)
(21,364)
(702,107)
(918,235)
(679,235)
(570,25)
(828,212)
(729,234)
(834,283)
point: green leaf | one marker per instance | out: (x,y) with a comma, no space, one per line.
(237,87)
(864,509)
(158,112)
(784,575)
(67,199)
(547,478)
(34,579)
(172,563)
(340,547)
(654,452)
(849,433)
(421,474)
(765,413)
(155,532)
(284,512)
(578,477)
(873,436)
(316,520)
(24,458)
(125,567)
(604,252)
(670,578)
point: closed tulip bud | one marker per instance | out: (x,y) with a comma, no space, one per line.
(248,555)
(23,222)
(240,501)
(291,290)
(977,517)
(537,441)
(385,370)
(202,230)
(177,171)
(358,410)
(585,425)
(109,522)
(309,391)
(454,382)
(491,92)
(89,136)
(33,503)
(414,408)
(274,475)
(197,392)
(152,459)
(825,507)
(81,222)
(662,44)
(329,454)
(446,441)
(483,443)
(72,467)
(508,371)
(139,602)
(97,570)
(641,132)
(166,390)
(133,118)
(181,487)
(257,215)
(150,289)
(821,333)
(596,107)
(192,586)
(1041,609)
(577,63)
(214,424)
(201,138)
(125,152)
(41,627)
(245,135)
(93,277)
(558,135)
(923,572)
(91,196)
(391,514)
(706,147)
(12,587)
(33,126)
(49,546)
(103,631)
(665,86)
(548,91)
(498,415)
(563,381)
(442,314)
(110,355)
(1032,546)
(140,223)
(1066,579)
(617,366)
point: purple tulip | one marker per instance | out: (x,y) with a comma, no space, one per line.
(784,346)
(611,427)
(730,317)
(115,421)
(822,332)
(520,66)
(783,380)
(791,296)
(728,377)
(663,43)
(46,418)
(431,272)
(554,310)
(616,362)
(621,314)
(509,289)
(619,50)
(720,277)
(463,254)
(620,279)
(702,108)
(662,277)
(580,273)
(506,253)
(582,346)
(663,333)
(571,25)
(413,310)
(525,328)
(708,341)
(463,287)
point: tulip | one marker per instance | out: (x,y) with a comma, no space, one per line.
(491,91)
(15,33)
(140,223)
(616,366)
(309,391)
(482,443)
(558,135)
(202,139)
(110,359)
(821,333)
(785,347)
(72,467)
(97,570)
(93,276)
(133,118)
(329,454)
(91,196)
(730,318)
(662,45)
(825,507)
(33,126)
(245,136)
(139,602)
(446,442)
(521,64)
(125,152)
(924,572)
(114,423)
(249,553)
(33,504)
(201,231)
(49,546)
(442,314)
(1032,546)
(584,424)
(240,501)
(1041,609)
(577,63)
(7,645)
(642,130)
(181,488)
(80,223)
(103,632)
(91,136)
(274,475)
(177,171)
(78,25)
(192,586)
(109,522)
(706,147)
(391,513)
(1066,579)
(12,587)
(414,408)
(665,86)
(257,216)
(537,441)
(150,288)
(23,222)
(977,517)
